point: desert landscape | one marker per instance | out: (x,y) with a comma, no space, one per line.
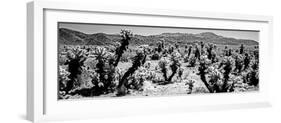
(130,64)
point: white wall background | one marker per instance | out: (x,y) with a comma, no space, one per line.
(13,61)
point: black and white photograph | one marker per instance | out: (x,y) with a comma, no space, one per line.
(108,61)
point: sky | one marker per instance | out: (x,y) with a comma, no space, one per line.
(148,30)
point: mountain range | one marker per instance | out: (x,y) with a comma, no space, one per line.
(72,37)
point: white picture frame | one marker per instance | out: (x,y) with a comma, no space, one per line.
(42,17)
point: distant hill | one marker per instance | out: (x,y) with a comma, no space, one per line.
(72,37)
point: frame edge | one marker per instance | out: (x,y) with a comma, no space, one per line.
(34,101)
(30,60)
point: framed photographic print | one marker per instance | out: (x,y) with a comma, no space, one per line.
(100,61)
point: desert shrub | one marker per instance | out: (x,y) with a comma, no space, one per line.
(63,78)
(190,84)
(170,49)
(127,56)
(136,81)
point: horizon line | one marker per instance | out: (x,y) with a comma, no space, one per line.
(154,34)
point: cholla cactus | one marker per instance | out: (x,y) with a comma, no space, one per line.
(137,62)
(161,46)
(215,76)
(155,56)
(241,49)
(185,58)
(126,36)
(189,50)
(253,75)
(63,78)
(163,67)
(172,63)
(197,52)
(137,79)
(256,52)
(103,74)
(76,58)
(228,65)
(210,51)
(205,59)
(104,81)
(238,63)
(174,66)
(192,60)
(218,80)
(202,72)
(202,45)
(247,61)
(100,56)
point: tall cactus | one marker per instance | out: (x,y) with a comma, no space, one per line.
(197,52)
(174,66)
(202,72)
(126,36)
(137,62)
(241,49)
(209,51)
(227,69)
(247,61)
(162,64)
(75,62)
